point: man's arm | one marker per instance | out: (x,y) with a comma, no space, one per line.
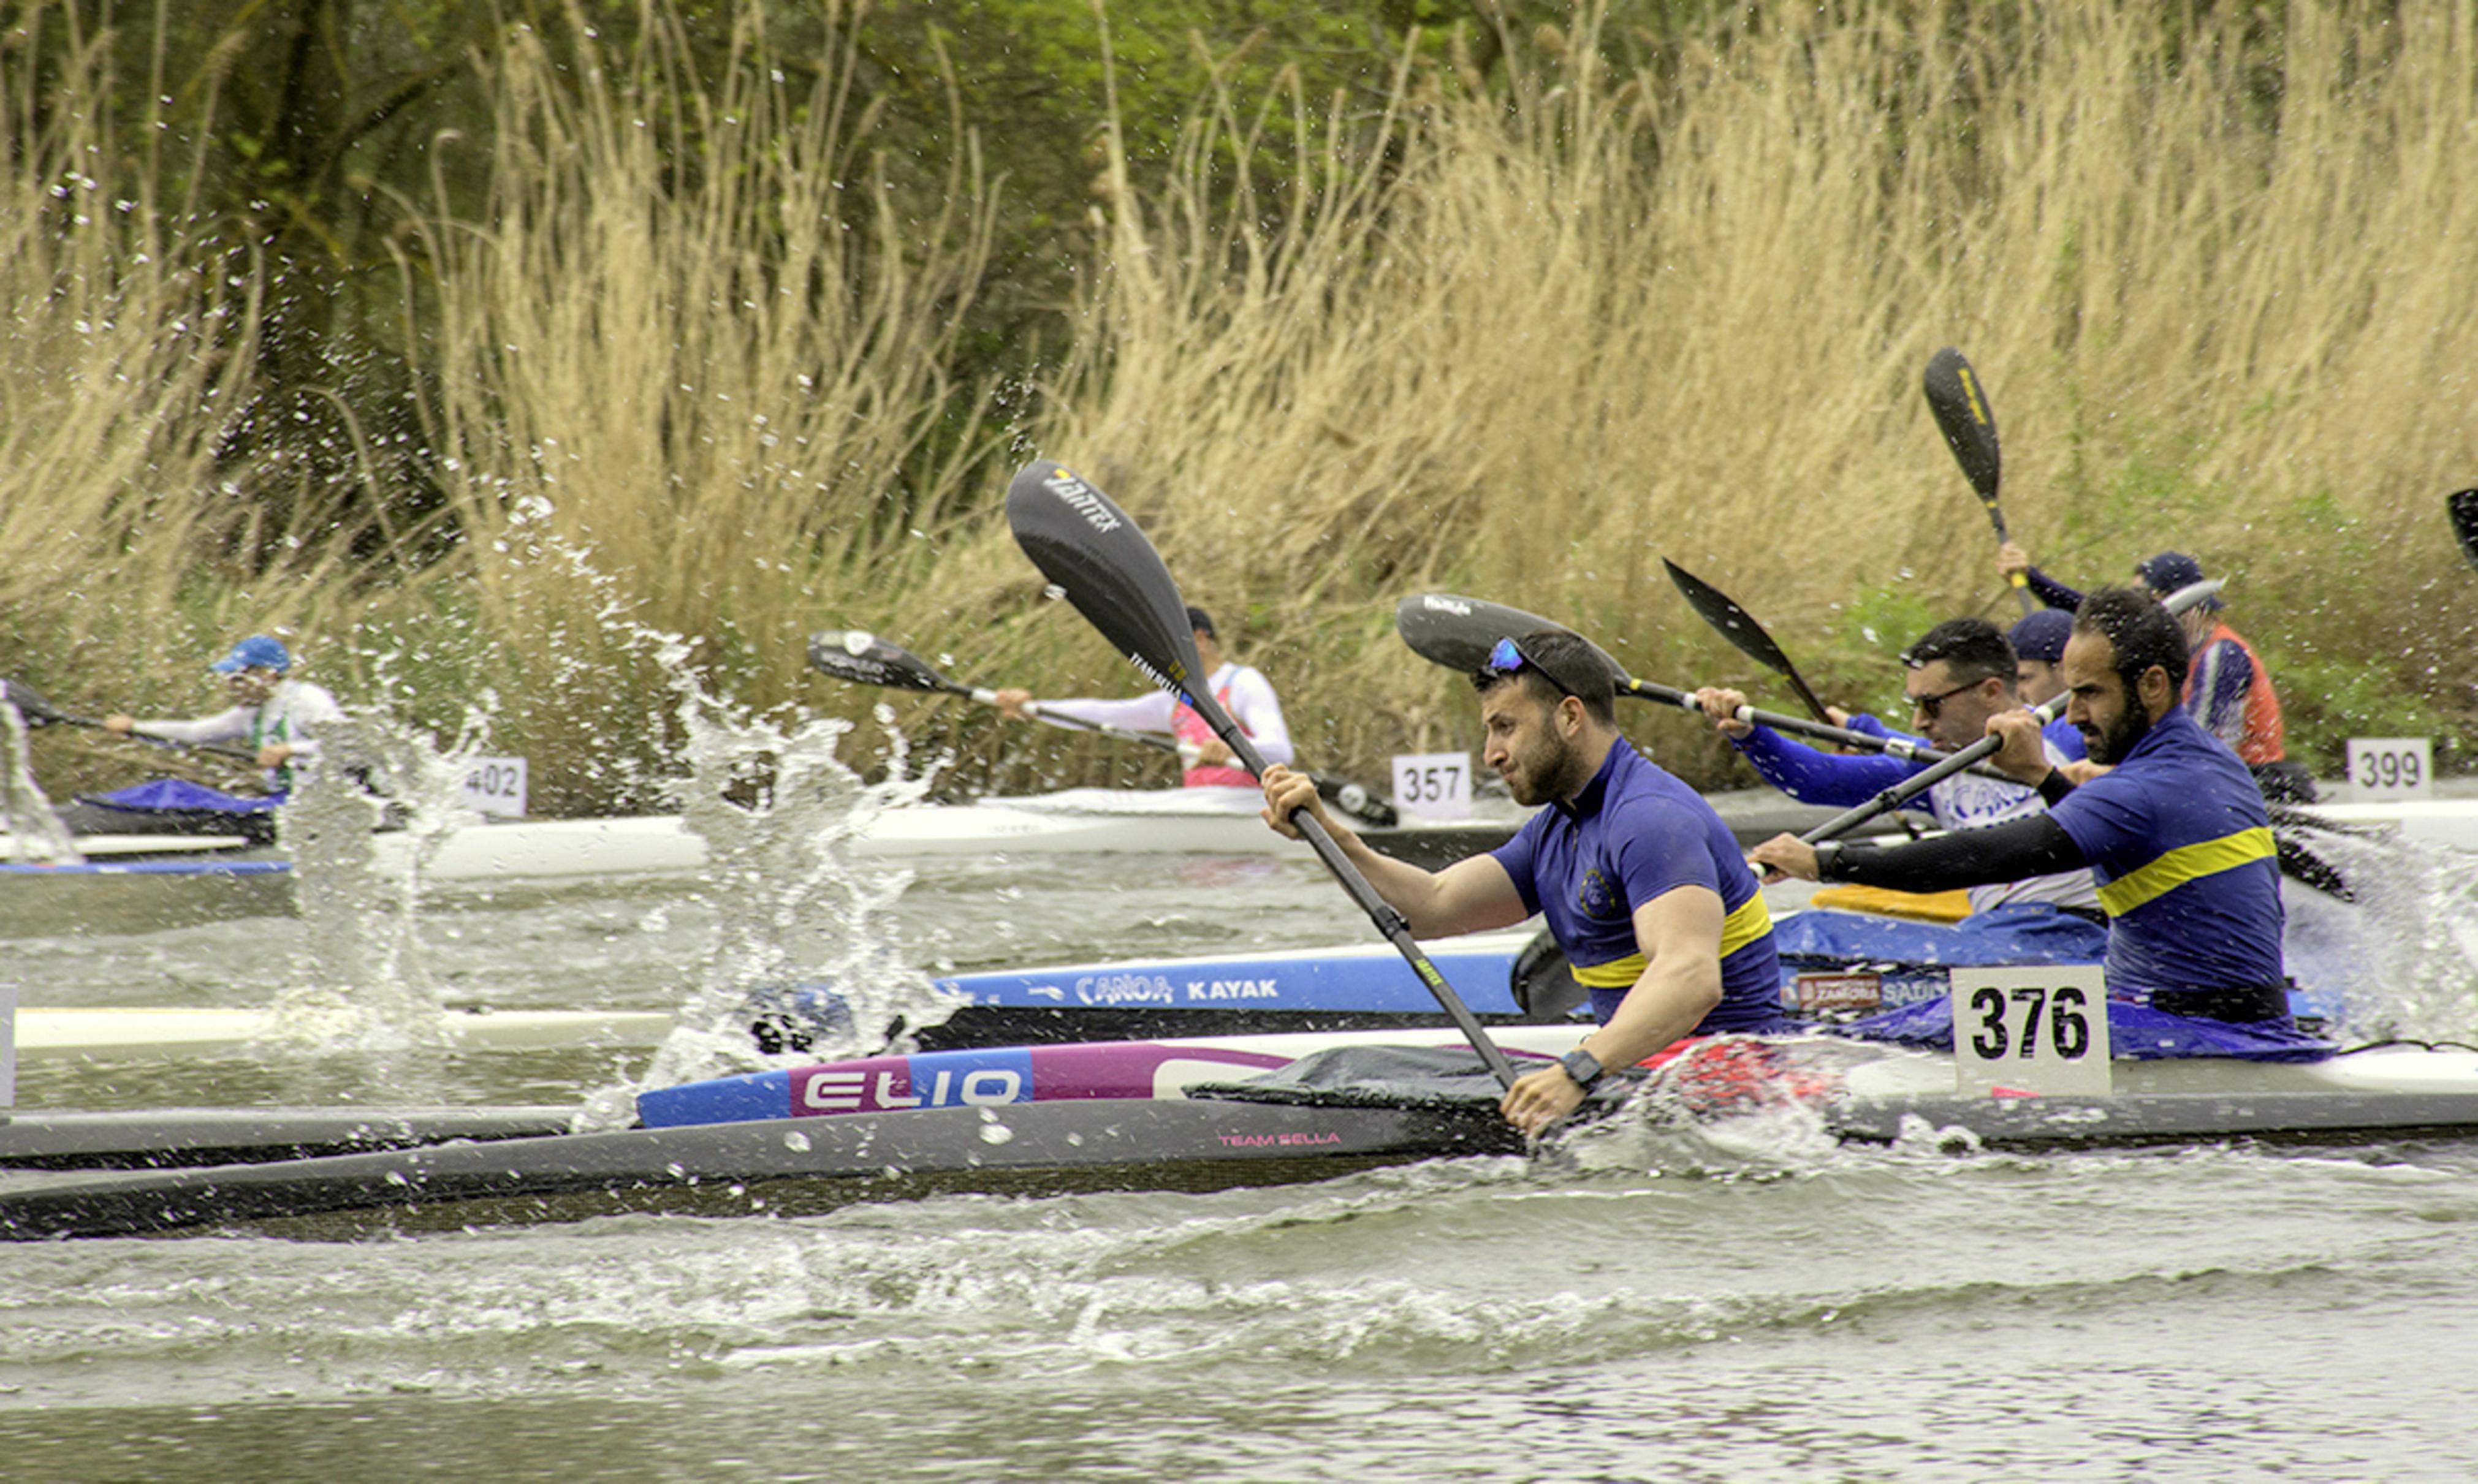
(2011,851)
(1465,897)
(1254,706)
(1679,934)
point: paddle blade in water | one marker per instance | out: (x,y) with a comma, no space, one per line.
(850,654)
(1963,415)
(1090,550)
(2463,505)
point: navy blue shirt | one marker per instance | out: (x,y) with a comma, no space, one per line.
(1634,834)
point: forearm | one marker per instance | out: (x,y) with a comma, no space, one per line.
(1675,994)
(1813,777)
(2053,594)
(1136,713)
(2036,847)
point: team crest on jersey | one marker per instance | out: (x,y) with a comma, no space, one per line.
(1596,897)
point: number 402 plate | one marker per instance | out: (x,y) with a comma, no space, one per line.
(2033,1029)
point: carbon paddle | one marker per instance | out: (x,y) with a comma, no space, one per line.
(1715,608)
(1458,632)
(865,659)
(2463,505)
(39,711)
(1909,788)
(1963,415)
(1091,551)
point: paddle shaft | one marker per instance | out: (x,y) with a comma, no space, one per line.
(1895,747)
(1380,912)
(1909,788)
(35,708)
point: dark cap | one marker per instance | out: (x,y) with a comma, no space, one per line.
(2170,570)
(1200,622)
(2042,636)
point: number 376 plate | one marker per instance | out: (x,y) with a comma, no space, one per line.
(2034,1029)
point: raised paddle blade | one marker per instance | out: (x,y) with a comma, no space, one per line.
(1091,552)
(2463,505)
(1969,428)
(1968,424)
(865,659)
(1739,628)
(1458,632)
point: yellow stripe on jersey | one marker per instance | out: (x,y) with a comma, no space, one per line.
(2186,862)
(1748,924)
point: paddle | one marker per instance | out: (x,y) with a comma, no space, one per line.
(865,659)
(1458,632)
(2463,505)
(1961,413)
(1092,552)
(1714,607)
(39,711)
(1902,792)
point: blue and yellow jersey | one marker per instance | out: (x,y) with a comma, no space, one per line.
(1634,834)
(2182,850)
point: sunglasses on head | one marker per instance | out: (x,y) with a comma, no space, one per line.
(1508,657)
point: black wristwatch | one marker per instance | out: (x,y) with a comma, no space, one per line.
(1582,1066)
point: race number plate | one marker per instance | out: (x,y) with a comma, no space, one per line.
(496,786)
(2039,1029)
(1433,784)
(2387,767)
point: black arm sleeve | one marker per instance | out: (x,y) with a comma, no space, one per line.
(2036,847)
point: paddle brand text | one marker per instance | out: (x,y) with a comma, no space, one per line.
(1260,1140)
(1083,499)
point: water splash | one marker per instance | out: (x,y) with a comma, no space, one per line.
(778,808)
(358,889)
(35,832)
(2402,962)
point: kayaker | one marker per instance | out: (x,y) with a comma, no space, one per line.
(276,715)
(1957,677)
(1642,885)
(2174,832)
(2226,687)
(1242,691)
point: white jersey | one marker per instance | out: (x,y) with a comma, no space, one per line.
(292,716)
(1251,704)
(1967,801)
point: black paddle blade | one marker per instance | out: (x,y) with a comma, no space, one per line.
(2463,505)
(1963,417)
(29,704)
(1458,632)
(849,654)
(1090,550)
(1715,608)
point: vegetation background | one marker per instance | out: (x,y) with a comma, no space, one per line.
(470,343)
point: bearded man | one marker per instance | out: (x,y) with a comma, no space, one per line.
(1643,886)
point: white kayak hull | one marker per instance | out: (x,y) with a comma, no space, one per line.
(1217,822)
(124,1033)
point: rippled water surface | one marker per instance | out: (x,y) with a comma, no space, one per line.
(1751,1303)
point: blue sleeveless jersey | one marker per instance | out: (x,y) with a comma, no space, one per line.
(2182,851)
(1635,834)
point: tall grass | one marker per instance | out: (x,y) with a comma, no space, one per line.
(2222,285)
(1517,337)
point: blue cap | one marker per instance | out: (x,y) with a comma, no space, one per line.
(255,652)
(2171,570)
(2042,636)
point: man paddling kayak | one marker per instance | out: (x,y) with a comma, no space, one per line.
(2226,687)
(276,715)
(2175,832)
(1242,691)
(1641,883)
(1958,675)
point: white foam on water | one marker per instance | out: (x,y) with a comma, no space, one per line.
(36,833)
(2403,959)
(362,982)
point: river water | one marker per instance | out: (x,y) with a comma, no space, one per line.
(1743,1303)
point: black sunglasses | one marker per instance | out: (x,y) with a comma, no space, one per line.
(1929,705)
